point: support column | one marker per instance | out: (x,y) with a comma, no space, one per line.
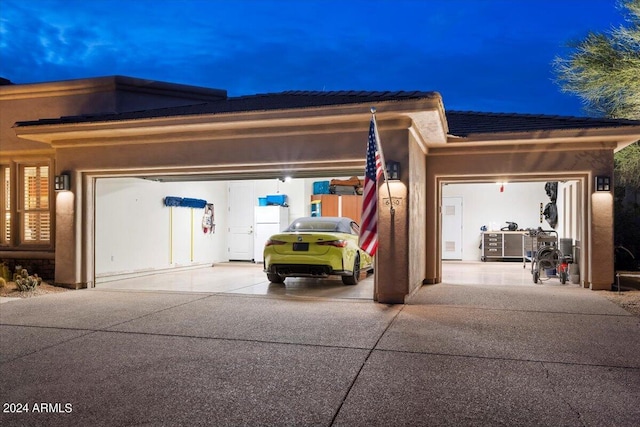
(602,251)
(392,271)
(65,240)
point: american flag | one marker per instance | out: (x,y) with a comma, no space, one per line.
(368,240)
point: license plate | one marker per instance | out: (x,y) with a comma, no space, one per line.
(301,246)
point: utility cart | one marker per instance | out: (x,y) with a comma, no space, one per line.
(546,256)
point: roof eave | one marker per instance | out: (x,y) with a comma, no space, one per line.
(622,136)
(108,84)
(391,112)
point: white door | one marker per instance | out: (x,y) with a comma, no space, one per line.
(241,204)
(452,228)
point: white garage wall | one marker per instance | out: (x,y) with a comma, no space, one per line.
(484,204)
(136,233)
(298,191)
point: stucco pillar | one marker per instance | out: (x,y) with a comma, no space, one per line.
(602,250)
(65,240)
(392,270)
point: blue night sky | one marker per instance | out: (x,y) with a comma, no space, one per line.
(481,55)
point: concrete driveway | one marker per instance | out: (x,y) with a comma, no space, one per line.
(456,354)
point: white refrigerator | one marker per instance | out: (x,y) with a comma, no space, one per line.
(268,220)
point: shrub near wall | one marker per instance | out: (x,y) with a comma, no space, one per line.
(44,268)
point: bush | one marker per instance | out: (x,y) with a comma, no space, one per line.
(24,281)
(5,272)
(28,283)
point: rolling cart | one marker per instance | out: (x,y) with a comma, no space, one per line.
(546,256)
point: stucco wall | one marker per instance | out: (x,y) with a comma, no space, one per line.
(273,153)
(34,108)
(417,214)
(112,94)
(392,270)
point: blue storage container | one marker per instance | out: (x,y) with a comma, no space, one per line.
(262,201)
(316,208)
(276,199)
(321,187)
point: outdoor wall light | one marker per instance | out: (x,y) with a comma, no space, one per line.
(393,170)
(62,182)
(603,183)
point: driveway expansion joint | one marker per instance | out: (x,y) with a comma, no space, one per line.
(364,362)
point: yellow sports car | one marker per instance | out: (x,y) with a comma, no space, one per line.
(316,247)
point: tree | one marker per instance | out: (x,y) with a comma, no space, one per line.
(604,71)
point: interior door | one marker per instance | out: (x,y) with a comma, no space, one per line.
(241,204)
(452,228)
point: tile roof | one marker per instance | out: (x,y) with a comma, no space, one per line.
(465,123)
(259,102)
(461,123)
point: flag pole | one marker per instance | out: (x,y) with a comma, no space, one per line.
(384,164)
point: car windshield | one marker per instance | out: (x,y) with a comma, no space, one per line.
(315,225)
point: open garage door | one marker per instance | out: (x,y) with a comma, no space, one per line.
(496,226)
(140,243)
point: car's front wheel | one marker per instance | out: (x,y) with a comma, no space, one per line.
(275,278)
(353,279)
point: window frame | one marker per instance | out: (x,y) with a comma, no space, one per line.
(6,170)
(17,209)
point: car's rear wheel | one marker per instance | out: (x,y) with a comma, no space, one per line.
(353,279)
(275,278)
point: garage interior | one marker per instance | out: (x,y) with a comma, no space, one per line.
(142,244)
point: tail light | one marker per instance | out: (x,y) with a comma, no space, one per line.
(336,243)
(272,242)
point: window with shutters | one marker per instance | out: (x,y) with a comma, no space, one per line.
(34,209)
(5,205)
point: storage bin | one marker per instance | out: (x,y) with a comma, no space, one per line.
(276,199)
(321,187)
(262,201)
